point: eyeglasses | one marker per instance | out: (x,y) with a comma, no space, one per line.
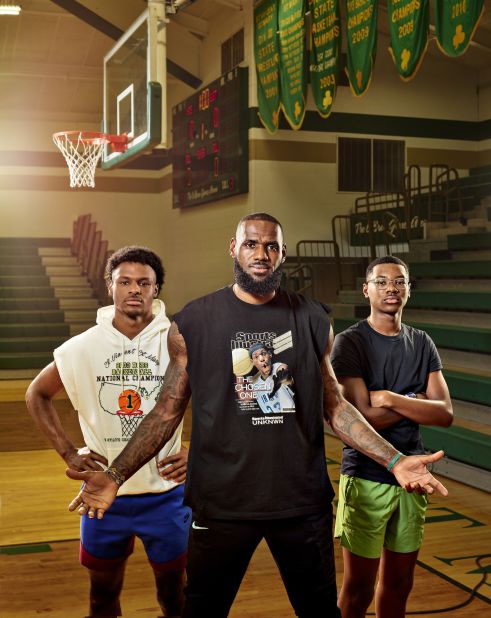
(381,283)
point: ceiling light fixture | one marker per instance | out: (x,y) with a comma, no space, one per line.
(10,9)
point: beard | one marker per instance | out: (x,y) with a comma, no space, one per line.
(261,287)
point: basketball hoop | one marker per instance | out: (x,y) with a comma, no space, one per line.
(82,151)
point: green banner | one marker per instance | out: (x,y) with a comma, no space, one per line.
(325,52)
(293,74)
(408,25)
(361,31)
(266,53)
(455,24)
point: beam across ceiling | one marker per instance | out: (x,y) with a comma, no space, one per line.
(102,25)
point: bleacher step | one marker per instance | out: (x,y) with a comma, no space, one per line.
(473,412)
(467,362)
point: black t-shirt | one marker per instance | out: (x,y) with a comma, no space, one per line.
(257,447)
(400,364)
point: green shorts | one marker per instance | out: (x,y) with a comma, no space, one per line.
(372,516)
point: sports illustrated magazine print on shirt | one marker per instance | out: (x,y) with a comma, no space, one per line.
(263,380)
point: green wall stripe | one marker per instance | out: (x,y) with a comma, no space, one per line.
(373,124)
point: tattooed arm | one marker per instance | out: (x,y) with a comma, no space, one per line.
(349,424)
(157,428)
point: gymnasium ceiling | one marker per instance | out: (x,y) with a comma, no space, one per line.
(51,55)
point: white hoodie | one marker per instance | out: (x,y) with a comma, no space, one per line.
(112,382)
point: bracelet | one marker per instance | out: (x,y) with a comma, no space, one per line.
(393,461)
(412,395)
(116,476)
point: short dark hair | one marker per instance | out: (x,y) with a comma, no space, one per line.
(140,255)
(261,216)
(386,259)
(259,346)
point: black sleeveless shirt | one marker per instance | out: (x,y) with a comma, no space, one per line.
(257,446)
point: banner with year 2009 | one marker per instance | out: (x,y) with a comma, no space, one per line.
(293,57)
(325,52)
(361,28)
(455,24)
(267,58)
(408,26)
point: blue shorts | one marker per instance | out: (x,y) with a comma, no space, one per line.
(161,521)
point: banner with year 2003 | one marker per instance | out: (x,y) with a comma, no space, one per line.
(325,52)
(267,58)
(293,57)
(361,31)
(408,26)
(455,24)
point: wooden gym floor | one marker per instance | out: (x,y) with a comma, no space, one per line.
(40,574)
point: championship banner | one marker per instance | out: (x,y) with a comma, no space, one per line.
(293,74)
(455,24)
(409,22)
(266,53)
(325,52)
(361,29)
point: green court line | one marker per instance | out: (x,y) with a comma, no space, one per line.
(13,550)
(455,583)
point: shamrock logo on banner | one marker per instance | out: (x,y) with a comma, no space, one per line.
(409,22)
(459,36)
(325,53)
(455,24)
(361,32)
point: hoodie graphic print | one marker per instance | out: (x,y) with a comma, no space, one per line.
(113,382)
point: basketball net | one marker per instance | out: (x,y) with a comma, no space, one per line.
(82,152)
(129,423)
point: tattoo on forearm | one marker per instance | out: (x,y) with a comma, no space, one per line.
(159,425)
(350,425)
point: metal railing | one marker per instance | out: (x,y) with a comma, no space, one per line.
(299,279)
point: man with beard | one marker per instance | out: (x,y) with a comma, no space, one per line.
(253,477)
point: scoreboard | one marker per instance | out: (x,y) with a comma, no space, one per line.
(210,154)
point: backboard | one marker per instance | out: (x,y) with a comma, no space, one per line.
(135,88)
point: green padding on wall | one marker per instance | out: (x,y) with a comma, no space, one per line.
(458,337)
(20,270)
(468,300)
(30,344)
(481,240)
(22,260)
(16,280)
(26,360)
(451,268)
(445,336)
(14,550)
(31,317)
(469,387)
(460,444)
(27,292)
(17,304)
(34,330)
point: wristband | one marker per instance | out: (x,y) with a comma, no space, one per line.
(393,461)
(116,476)
(412,395)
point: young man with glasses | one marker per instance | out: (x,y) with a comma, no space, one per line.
(392,373)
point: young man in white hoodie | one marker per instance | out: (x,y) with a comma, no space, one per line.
(113,374)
